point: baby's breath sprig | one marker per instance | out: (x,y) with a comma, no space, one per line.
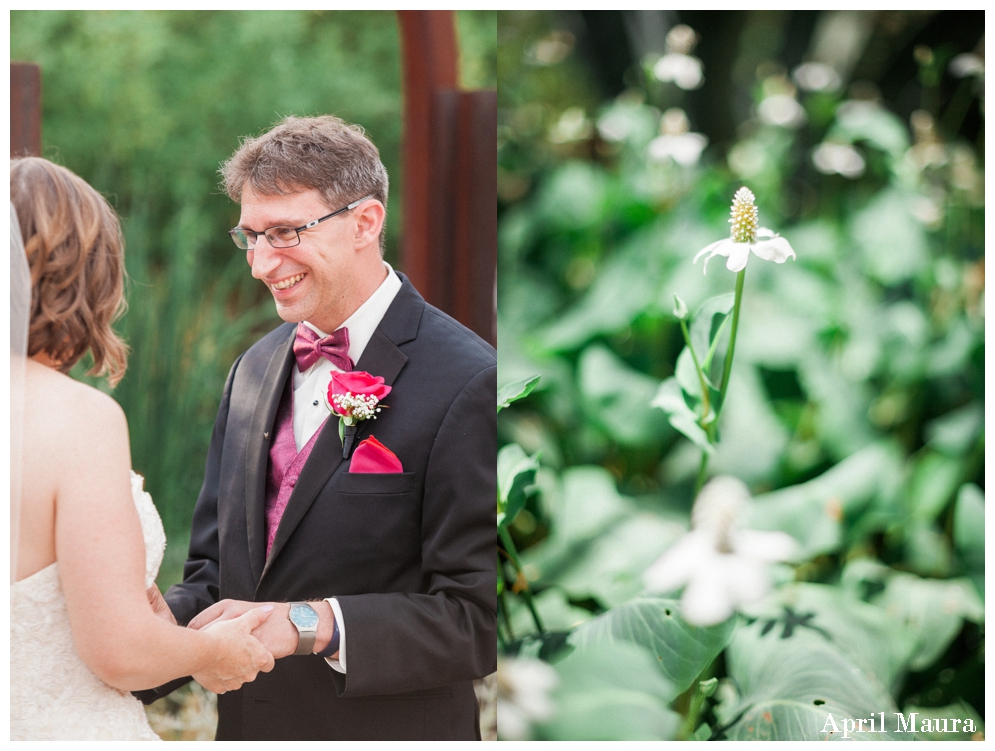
(356,407)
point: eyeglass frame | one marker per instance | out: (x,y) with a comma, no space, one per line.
(298,230)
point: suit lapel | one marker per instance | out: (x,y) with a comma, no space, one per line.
(380,358)
(261,435)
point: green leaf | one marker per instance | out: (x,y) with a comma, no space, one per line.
(708,325)
(512,392)
(586,505)
(610,568)
(892,240)
(790,686)
(626,284)
(927,549)
(957,432)
(934,481)
(812,512)
(866,121)
(868,634)
(681,650)
(555,610)
(686,374)
(969,528)
(516,473)
(931,610)
(618,397)
(611,692)
(670,399)
(574,195)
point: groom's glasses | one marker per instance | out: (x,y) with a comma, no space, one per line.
(282,237)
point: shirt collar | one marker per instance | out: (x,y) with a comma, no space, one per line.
(364,321)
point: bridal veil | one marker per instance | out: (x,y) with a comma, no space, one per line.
(20,310)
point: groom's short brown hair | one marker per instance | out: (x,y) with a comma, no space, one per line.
(301,153)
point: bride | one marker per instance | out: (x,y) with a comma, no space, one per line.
(87,623)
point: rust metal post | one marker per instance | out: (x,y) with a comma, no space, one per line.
(428,42)
(475,230)
(25,109)
(449,241)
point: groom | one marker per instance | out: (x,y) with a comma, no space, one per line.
(379,556)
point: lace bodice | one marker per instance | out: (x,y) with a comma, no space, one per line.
(53,694)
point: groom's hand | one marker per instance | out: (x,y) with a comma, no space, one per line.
(276,633)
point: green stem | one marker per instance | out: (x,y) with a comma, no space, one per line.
(727,368)
(705,407)
(697,703)
(503,602)
(509,547)
(702,472)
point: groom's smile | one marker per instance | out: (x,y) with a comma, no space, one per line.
(287,283)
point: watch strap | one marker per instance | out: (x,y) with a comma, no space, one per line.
(333,643)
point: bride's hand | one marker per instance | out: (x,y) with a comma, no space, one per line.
(159,606)
(240,656)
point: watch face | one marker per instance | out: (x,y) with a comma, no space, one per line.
(304,616)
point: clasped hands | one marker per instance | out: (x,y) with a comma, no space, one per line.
(276,633)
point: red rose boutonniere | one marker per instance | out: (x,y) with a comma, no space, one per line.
(354,397)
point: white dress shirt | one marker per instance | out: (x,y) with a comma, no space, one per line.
(311,387)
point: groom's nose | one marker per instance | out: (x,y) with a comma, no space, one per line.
(264,259)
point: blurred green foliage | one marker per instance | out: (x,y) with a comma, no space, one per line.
(145,105)
(855,410)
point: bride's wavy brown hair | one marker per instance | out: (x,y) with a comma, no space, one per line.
(75,249)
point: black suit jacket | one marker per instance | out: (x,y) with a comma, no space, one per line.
(411,557)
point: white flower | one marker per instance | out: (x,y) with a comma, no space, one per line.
(783,110)
(723,566)
(675,142)
(967,64)
(524,685)
(814,76)
(746,237)
(838,158)
(684,70)
(684,149)
(573,125)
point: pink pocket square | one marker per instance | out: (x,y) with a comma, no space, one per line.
(373,456)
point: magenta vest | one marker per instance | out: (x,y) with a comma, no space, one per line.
(285,463)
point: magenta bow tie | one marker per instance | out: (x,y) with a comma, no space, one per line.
(308,347)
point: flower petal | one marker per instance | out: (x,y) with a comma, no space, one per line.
(738,257)
(711,249)
(673,569)
(765,546)
(717,248)
(746,579)
(706,601)
(776,249)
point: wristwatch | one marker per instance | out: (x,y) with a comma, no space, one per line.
(305,618)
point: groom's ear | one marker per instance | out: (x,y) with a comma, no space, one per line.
(370,216)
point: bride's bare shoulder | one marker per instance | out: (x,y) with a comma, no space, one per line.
(52,398)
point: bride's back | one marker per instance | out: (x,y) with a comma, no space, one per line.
(63,419)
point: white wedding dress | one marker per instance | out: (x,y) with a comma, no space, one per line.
(53,694)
